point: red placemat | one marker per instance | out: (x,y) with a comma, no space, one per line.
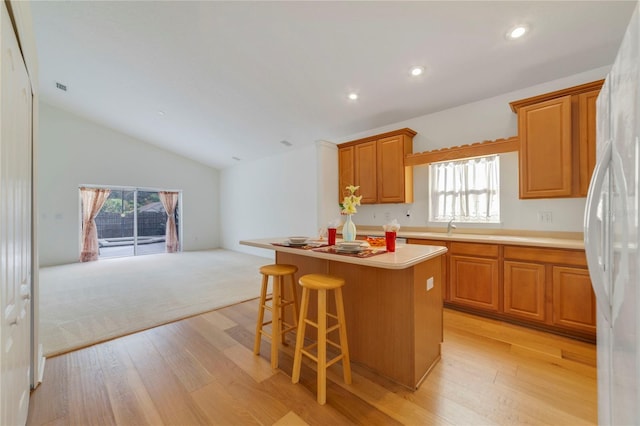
(364,253)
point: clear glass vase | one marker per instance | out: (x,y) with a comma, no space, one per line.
(349,230)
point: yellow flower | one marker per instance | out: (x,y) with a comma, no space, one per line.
(350,201)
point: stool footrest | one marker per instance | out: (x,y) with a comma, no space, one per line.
(288,327)
(315,358)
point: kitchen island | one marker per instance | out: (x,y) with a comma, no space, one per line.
(393,304)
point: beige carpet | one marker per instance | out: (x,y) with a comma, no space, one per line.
(85,303)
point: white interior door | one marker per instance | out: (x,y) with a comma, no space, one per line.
(15,227)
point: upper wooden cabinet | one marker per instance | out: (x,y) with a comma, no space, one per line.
(557,141)
(377,165)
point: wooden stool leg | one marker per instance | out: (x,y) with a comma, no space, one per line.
(322,346)
(275,322)
(263,299)
(297,354)
(296,303)
(344,346)
(282,308)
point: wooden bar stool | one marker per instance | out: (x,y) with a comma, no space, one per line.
(277,307)
(322,283)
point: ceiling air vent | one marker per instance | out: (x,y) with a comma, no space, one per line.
(61,86)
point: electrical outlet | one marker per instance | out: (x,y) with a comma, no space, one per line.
(429,283)
(545,217)
(387,216)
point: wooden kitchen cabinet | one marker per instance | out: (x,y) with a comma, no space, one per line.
(550,286)
(574,304)
(557,142)
(346,171)
(524,290)
(378,167)
(542,287)
(474,276)
(366,173)
(586,139)
(545,149)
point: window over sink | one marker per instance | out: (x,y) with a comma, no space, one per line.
(466,190)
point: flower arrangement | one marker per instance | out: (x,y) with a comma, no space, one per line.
(348,205)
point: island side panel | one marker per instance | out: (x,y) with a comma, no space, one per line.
(379,316)
(427,316)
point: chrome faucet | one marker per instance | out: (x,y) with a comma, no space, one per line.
(450,227)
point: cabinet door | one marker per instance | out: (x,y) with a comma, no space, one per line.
(365,171)
(391,170)
(474,282)
(346,172)
(524,290)
(574,304)
(587,138)
(545,149)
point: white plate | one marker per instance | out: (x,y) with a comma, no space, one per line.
(349,245)
(298,240)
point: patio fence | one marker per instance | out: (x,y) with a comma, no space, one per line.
(113,225)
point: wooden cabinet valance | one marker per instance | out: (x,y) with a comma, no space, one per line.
(377,165)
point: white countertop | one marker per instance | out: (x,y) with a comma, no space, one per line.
(405,256)
(564,243)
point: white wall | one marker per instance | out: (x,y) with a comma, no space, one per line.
(486,119)
(271,197)
(74,151)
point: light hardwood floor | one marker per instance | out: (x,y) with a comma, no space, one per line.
(202,371)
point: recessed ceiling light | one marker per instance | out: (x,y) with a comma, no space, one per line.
(235,158)
(286,143)
(416,71)
(353,96)
(517,32)
(160,112)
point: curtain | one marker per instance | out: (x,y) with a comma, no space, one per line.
(92,201)
(465,190)
(169,201)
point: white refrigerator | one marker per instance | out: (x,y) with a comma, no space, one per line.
(611,235)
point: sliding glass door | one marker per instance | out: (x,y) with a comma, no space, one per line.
(151,223)
(133,222)
(115,225)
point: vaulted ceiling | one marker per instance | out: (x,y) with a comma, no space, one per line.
(217,80)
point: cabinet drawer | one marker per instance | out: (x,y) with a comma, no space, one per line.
(475,249)
(546,255)
(439,243)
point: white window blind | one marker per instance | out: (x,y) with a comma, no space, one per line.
(466,190)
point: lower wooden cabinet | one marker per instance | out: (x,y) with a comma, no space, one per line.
(524,290)
(574,303)
(547,288)
(474,282)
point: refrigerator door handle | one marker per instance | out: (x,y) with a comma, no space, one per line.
(622,247)
(593,240)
